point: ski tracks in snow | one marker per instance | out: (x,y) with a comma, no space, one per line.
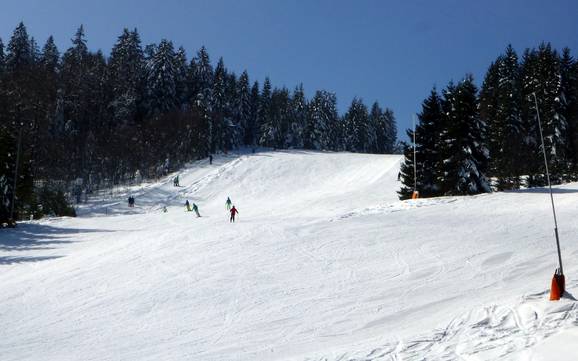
(491,332)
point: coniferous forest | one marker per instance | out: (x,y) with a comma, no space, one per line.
(471,141)
(76,121)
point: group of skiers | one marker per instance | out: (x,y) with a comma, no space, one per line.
(193,207)
(228,204)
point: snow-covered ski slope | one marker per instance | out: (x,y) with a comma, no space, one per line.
(324,263)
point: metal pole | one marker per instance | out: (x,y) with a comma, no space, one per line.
(549,185)
(16,174)
(414,159)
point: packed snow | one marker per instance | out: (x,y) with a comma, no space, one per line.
(323,263)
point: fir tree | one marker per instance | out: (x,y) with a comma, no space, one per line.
(297,118)
(126,71)
(253,132)
(542,76)
(161,80)
(500,101)
(358,129)
(465,156)
(219,106)
(244,99)
(569,75)
(264,114)
(321,119)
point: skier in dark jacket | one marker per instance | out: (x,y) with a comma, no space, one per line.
(233,211)
(188,206)
(228,203)
(196,209)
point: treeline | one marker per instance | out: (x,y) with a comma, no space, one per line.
(87,121)
(471,141)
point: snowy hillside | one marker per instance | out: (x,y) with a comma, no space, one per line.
(324,263)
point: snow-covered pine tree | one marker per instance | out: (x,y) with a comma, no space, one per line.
(219,107)
(182,91)
(464,151)
(376,120)
(232,114)
(388,119)
(274,129)
(264,115)
(382,129)
(542,76)
(500,109)
(254,134)
(203,78)
(569,73)
(161,79)
(321,117)
(245,121)
(357,124)
(126,75)
(297,118)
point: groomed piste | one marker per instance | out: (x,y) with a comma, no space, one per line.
(323,263)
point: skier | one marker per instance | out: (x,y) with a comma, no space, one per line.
(188,206)
(210,159)
(165,210)
(228,203)
(176,181)
(233,212)
(196,209)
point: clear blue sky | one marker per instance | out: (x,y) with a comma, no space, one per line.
(389,51)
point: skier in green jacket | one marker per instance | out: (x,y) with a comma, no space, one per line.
(196,209)
(228,203)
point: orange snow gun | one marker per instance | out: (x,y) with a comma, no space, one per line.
(415,195)
(558,285)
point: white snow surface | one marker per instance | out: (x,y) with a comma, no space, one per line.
(324,263)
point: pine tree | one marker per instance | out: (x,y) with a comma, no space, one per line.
(2,58)
(244,96)
(19,53)
(464,152)
(203,87)
(569,74)
(388,121)
(182,92)
(232,113)
(321,121)
(161,80)
(126,74)
(253,132)
(542,76)
(357,124)
(219,106)
(297,118)
(264,114)
(409,183)
(500,101)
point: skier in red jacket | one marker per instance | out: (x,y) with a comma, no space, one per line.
(233,212)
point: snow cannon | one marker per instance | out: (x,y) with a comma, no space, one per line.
(415,195)
(558,285)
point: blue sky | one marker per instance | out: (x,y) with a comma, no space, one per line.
(389,51)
